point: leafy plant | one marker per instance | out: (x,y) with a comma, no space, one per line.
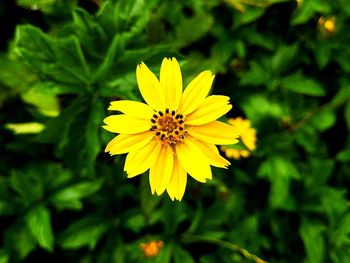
(285,67)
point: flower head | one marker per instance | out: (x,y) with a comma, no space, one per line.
(152,248)
(327,25)
(247,136)
(174,133)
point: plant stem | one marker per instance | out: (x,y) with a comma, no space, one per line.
(189,238)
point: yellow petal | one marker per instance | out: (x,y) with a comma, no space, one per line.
(193,161)
(177,184)
(171,82)
(132,108)
(210,151)
(244,153)
(160,172)
(124,143)
(233,153)
(212,108)
(126,124)
(195,92)
(214,132)
(249,139)
(150,87)
(138,162)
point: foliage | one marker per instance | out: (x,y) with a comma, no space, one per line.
(62,198)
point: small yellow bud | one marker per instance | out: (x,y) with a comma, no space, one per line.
(152,248)
(327,24)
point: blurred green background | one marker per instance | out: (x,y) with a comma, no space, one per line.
(285,66)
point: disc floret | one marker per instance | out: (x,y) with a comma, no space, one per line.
(169,126)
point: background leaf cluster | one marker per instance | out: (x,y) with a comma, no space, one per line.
(62,198)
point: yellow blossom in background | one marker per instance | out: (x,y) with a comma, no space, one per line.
(327,25)
(152,248)
(175,133)
(247,136)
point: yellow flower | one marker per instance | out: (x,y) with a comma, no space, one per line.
(327,25)
(174,133)
(247,136)
(152,248)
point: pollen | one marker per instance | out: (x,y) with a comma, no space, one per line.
(169,126)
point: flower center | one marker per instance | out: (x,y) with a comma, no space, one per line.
(169,126)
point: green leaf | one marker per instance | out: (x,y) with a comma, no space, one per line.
(284,58)
(343,60)
(322,54)
(82,141)
(247,231)
(126,17)
(47,104)
(279,171)
(307,138)
(323,120)
(182,256)
(343,156)
(307,10)
(20,240)
(278,166)
(78,137)
(196,218)
(314,243)
(4,256)
(114,50)
(257,75)
(249,15)
(340,254)
(321,170)
(39,223)
(300,84)
(148,201)
(222,51)
(259,39)
(343,94)
(25,128)
(165,253)
(76,192)
(120,79)
(14,76)
(70,58)
(172,216)
(53,88)
(83,232)
(6,208)
(212,258)
(193,28)
(135,223)
(64,121)
(60,60)
(334,203)
(347,114)
(35,4)
(341,234)
(90,32)
(258,107)
(26,186)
